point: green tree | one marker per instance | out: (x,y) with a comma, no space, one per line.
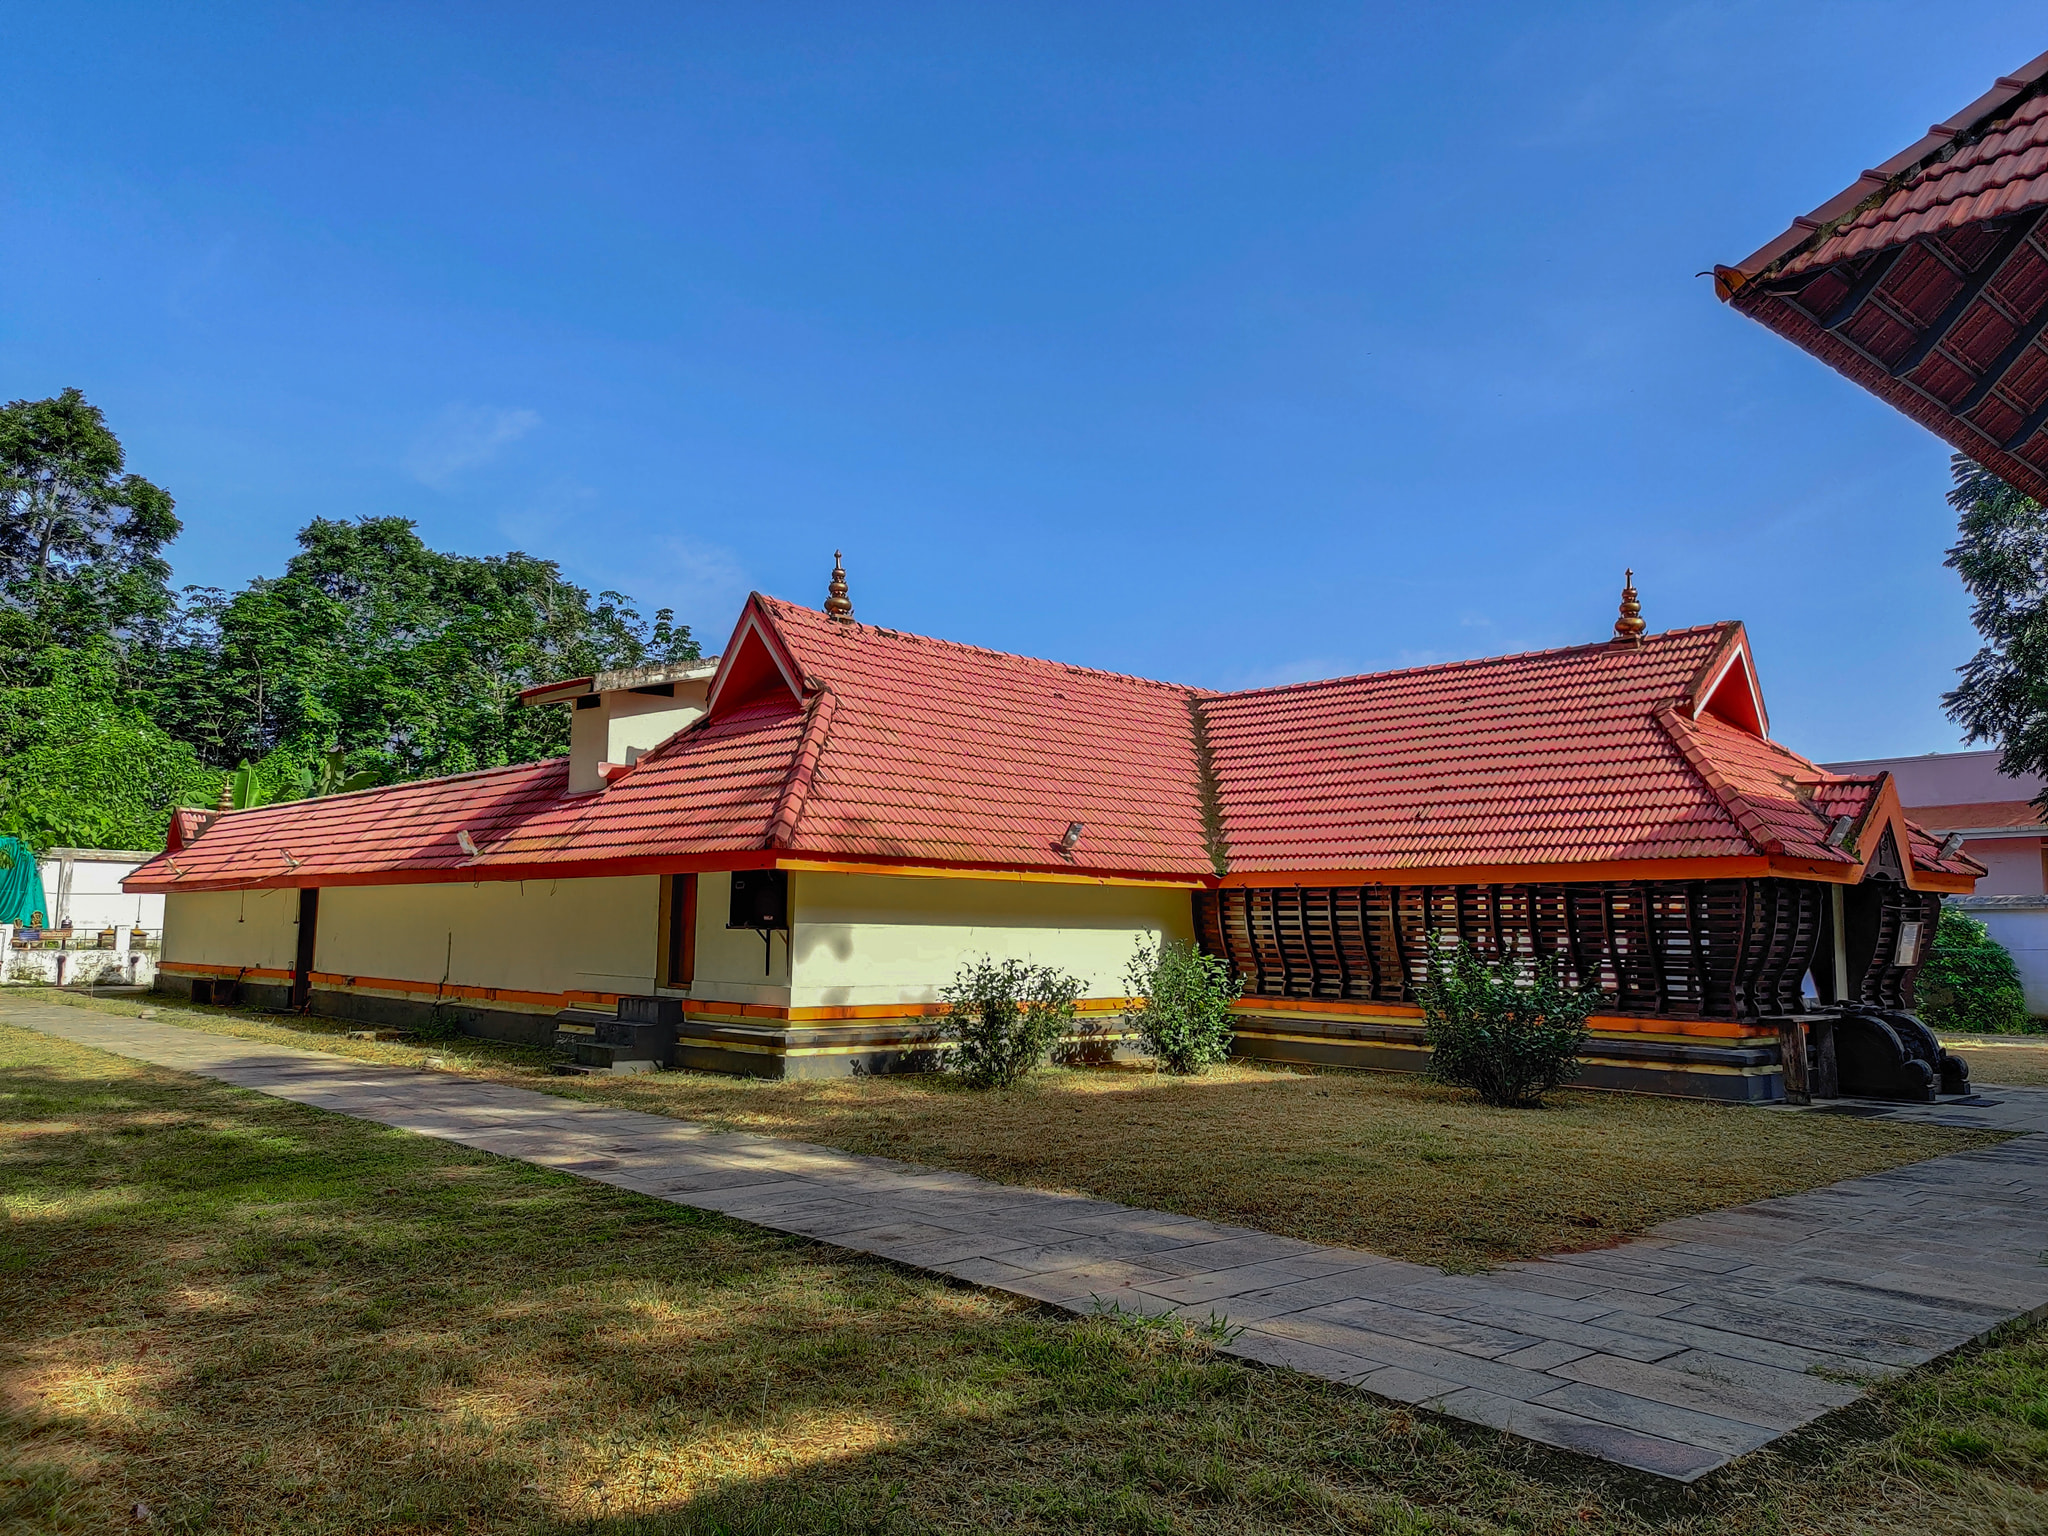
(2001,553)
(411,658)
(1969,981)
(80,767)
(81,540)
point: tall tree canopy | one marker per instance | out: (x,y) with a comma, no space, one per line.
(409,658)
(81,540)
(2001,553)
(118,701)
(81,766)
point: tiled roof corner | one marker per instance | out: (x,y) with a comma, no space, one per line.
(789,809)
(1746,816)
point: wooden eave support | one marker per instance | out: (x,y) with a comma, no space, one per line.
(1880,267)
(2003,364)
(1972,289)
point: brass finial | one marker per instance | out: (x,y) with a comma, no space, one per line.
(837,604)
(227,796)
(1628,629)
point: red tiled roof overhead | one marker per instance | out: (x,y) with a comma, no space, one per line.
(841,742)
(1926,280)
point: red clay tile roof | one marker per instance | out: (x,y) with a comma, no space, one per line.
(947,752)
(2021,816)
(908,750)
(1926,280)
(1887,197)
(2001,173)
(1568,757)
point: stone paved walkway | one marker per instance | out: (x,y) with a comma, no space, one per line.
(1672,1354)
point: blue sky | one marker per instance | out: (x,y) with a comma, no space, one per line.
(1227,344)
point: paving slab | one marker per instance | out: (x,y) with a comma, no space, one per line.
(1671,1354)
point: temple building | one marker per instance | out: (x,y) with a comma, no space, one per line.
(772,864)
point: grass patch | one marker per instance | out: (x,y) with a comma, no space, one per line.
(1386,1162)
(2019,1061)
(254,1317)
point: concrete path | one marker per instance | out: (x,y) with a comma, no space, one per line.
(1672,1354)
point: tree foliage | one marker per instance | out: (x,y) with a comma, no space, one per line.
(1969,981)
(81,767)
(1509,1030)
(414,659)
(2001,553)
(81,540)
(1181,1004)
(371,658)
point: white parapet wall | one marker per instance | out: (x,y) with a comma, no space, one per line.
(84,887)
(37,958)
(2020,923)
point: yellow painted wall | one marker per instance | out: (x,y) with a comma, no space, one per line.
(528,936)
(253,930)
(731,967)
(862,940)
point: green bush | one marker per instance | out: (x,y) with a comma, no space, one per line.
(1510,1031)
(1969,981)
(1183,1021)
(1003,1016)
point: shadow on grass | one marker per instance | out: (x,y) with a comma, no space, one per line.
(254,1316)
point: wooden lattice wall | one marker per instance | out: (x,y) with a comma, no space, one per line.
(1721,949)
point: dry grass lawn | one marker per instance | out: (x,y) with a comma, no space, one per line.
(1366,1160)
(253,1317)
(2016,1060)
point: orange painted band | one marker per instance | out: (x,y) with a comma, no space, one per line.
(696,1007)
(1599,1023)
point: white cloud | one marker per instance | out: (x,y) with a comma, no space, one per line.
(463,437)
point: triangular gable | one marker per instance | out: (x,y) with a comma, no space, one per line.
(757,664)
(1884,817)
(1727,688)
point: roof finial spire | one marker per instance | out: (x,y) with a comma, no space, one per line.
(1628,629)
(837,604)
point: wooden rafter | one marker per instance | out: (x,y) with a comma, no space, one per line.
(2008,247)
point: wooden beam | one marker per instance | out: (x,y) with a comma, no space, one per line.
(1866,285)
(1972,288)
(2001,365)
(2028,428)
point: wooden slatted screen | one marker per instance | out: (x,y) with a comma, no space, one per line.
(1678,949)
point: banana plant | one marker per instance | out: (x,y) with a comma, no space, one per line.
(244,792)
(330,776)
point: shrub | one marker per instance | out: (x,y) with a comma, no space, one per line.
(1003,1016)
(1969,981)
(1511,1031)
(1184,1020)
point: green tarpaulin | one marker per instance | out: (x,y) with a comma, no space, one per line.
(21,885)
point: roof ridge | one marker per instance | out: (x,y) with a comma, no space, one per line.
(1594,646)
(984,650)
(1745,815)
(1941,142)
(803,767)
